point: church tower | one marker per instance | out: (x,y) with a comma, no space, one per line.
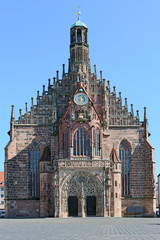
(79,63)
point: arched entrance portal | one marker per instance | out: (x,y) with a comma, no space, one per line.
(82,195)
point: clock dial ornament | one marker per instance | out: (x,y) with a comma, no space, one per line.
(80,99)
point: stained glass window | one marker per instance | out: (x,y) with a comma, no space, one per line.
(35,155)
(81,143)
(124,155)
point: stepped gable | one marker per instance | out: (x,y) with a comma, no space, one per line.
(58,95)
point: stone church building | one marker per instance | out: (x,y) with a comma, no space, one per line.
(78,151)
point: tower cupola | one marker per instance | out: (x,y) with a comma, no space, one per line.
(79,32)
(79,51)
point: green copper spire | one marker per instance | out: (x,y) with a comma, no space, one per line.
(79,23)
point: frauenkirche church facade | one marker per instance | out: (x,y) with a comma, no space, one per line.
(78,151)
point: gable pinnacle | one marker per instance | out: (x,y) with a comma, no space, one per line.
(145,114)
(137,114)
(132,110)
(26,108)
(146,123)
(32,102)
(20,113)
(126,106)
(12,113)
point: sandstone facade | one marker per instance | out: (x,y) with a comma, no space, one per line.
(78,151)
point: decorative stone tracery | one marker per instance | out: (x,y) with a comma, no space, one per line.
(73,185)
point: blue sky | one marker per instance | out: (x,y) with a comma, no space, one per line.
(124,40)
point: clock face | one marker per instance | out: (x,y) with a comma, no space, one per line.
(80,99)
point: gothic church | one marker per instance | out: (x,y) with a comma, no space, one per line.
(78,151)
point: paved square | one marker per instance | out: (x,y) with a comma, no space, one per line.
(80,228)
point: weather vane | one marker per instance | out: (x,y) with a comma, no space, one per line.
(79,13)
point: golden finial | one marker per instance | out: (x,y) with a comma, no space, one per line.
(79,13)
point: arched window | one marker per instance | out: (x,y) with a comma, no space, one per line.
(97,143)
(35,155)
(79,35)
(81,143)
(72,37)
(124,155)
(65,144)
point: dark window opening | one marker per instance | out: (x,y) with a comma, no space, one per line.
(79,35)
(81,143)
(35,155)
(72,37)
(124,155)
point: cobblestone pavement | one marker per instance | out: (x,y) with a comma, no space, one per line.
(80,228)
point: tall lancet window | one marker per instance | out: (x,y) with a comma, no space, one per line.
(124,155)
(97,143)
(72,37)
(35,155)
(81,143)
(79,35)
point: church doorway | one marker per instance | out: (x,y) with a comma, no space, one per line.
(72,206)
(91,206)
(81,195)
